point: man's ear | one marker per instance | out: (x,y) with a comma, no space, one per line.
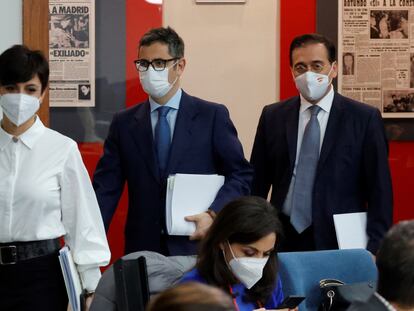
(334,72)
(181,66)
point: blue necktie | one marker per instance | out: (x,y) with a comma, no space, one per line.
(301,215)
(162,139)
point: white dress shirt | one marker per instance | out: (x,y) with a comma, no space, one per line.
(304,116)
(46,193)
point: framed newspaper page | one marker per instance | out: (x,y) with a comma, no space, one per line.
(376,54)
(72,53)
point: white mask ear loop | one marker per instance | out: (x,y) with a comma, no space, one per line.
(234,257)
(176,78)
(331,71)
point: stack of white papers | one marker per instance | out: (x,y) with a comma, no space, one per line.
(189,194)
(351,230)
(71,277)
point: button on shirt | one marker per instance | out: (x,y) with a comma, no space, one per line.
(45,193)
(304,117)
(174,103)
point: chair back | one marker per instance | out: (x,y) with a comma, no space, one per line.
(162,271)
(301,272)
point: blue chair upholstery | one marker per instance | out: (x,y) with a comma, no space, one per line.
(301,272)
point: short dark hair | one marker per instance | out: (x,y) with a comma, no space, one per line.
(395,261)
(312,38)
(20,64)
(166,36)
(192,296)
(245,220)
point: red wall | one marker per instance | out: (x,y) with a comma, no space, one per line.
(297,17)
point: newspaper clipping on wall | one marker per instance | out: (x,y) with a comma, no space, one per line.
(72,53)
(376,54)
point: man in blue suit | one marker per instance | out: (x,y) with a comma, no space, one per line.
(322,154)
(172,132)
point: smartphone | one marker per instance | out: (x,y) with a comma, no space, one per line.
(290,302)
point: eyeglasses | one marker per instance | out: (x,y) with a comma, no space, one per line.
(314,67)
(158,64)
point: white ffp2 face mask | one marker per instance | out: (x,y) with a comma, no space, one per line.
(155,83)
(19,107)
(248,270)
(313,86)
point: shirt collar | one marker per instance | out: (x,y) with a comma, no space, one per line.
(5,138)
(174,101)
(325,103)
(28,138)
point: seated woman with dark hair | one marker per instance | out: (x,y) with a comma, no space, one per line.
(239,254)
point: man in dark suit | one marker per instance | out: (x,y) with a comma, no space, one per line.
(395,261)
(343,167)
(172,132)
(374,34)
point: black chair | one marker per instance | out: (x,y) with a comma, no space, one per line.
(162,273)
(131,284)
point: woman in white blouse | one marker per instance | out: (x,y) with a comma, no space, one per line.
(45,194)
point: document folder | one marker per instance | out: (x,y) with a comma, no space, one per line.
(351,230)
(71,277)
(189,194)
(131,283)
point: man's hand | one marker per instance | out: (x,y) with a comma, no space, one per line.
(202,221)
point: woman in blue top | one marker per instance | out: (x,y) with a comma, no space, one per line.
(238,254)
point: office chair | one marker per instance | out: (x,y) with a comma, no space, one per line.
(301,272)
(162,272)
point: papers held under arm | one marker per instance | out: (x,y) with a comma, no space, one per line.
(71,277)
(189,194)
(351,230)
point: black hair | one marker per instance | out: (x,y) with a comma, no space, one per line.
(395,261)
(20,64)
(245,220)
(166,36)
(313,38)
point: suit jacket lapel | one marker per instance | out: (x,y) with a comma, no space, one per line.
(141,131)
(181,142)
(332,129)
(292,121)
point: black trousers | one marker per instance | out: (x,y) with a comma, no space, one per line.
(34,284)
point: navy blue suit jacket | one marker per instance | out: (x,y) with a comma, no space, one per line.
(352,175)
(204,142)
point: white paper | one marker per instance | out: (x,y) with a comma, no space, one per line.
(351,230)
(189,194)
(71,277)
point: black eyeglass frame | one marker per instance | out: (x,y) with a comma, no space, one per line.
(138,65)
